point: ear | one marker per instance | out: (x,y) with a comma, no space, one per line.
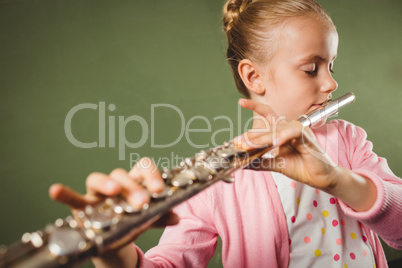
(251,76)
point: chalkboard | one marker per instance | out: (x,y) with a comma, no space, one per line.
(91,85)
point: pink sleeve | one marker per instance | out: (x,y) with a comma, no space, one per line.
(191,243)
(385,216)
(142,261)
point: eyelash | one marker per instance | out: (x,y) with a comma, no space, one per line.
(314,72)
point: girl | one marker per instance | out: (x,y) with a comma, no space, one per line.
(313,209)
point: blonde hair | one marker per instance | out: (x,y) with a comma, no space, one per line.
(252,27)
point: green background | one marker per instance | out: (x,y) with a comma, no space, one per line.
(56,54)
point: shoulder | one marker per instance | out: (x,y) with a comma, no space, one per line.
(347,130)
(343,141)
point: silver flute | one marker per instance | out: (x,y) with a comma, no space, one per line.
(113,223)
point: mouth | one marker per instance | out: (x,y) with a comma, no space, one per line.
(322,104)
(317,106)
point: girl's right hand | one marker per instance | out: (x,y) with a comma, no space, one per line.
(130,185)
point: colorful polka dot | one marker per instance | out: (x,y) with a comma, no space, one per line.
(353,235)
(336,257)
(315,203)
(345,265)
(332,200)
(298,200)
(293,219)
(293,184)
(309,216)
(364,253)
(334,223)
(325,213)
(352,256)
(339,241)
(307,239)
(316,191)
(323,231)
(364,238)
(317,252)
(290,241)
(343,222)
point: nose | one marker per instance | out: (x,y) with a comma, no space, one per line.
(328,84)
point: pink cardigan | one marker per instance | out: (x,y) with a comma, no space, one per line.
(248,214)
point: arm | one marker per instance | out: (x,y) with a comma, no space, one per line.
(191,243)
(385,215)
(370,187)
(357,191)
(304,158)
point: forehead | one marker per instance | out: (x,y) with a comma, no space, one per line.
(308,35)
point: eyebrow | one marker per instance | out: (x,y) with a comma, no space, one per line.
(313,57)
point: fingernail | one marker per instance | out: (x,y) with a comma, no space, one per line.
(272,153)
(268,155)
(241,101)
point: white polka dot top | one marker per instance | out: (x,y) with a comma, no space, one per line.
(321,235)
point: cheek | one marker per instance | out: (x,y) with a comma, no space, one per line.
(286,93)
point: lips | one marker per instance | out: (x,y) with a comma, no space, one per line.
(318,105)
(315,107)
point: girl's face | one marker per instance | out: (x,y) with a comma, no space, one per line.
(299,77)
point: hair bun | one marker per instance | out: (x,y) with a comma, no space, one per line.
(231,12)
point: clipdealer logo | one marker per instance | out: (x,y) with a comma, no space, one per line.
(186,128)
(107,124)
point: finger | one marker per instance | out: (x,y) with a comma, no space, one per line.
(251,140)
(258,107)
(66,195)
(122,177)
(283,134)
(263,114)
(147,172)
(134,192)
(294,134)
(98,183)
(256,138)
(277,164)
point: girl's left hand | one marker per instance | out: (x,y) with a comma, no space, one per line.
(298,154)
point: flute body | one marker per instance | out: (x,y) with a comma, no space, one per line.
(113,223)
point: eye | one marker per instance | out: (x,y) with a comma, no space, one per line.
(312,72)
